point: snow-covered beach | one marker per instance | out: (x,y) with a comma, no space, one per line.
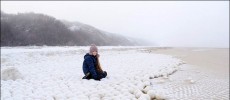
(54,73)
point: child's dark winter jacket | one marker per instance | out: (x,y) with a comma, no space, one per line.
(89,66)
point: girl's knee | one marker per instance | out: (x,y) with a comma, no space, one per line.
(105,73)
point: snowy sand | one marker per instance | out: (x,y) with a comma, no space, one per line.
(54,73)
(205,76)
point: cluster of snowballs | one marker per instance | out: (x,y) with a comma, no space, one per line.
(145,92)
(140,86)
(59,79)
(127,89)
(113,88)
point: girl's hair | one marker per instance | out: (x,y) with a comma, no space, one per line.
(98,67)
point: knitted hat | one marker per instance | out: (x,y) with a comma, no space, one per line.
(93,48)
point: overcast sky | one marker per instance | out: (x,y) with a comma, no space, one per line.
(167,23)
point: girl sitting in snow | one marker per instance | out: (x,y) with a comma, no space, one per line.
(91,65)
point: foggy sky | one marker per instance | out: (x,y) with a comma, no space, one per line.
(167,23)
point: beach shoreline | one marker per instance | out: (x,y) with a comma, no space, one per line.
(207,67)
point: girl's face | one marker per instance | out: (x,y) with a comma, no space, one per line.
(95,53)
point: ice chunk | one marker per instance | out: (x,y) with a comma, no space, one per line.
(11,73)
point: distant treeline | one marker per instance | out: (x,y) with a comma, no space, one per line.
(25,29)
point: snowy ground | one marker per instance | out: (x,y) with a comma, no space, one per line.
(54,73)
